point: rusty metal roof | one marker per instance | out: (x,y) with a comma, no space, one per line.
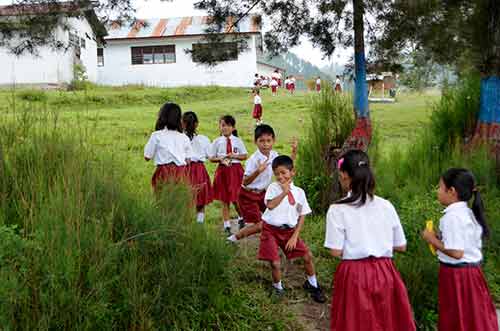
(178,27)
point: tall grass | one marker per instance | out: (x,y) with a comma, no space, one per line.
(81,248)
(332,120)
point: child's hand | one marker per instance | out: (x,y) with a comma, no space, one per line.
(294,144)
(285,186)
(263,166)
(428,236)
(230,155)
(291,244)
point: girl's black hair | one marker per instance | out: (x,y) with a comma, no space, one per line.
(190,120)
(465,185)
(169,116)
(229,120)
(357,165)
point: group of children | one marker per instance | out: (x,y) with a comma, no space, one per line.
(362,229)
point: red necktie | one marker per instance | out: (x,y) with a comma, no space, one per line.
(291,199)
(229,146)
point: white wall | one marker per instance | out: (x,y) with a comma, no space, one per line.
(50,67)
(265,70)
(118,70)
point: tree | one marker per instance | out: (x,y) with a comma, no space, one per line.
(449,31)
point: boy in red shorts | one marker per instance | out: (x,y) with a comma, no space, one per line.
(283,219)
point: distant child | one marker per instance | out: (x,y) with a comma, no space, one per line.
(257,107)
(256,81)
(168,147)
(258,176)
(318,84)
(464,300)
(287,83)
(338,86)
(292,84)
(198,175)
(283,219)
(274,86)
(228,151)
(364,230)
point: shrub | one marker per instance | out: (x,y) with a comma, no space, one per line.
(332,120)
(33,95)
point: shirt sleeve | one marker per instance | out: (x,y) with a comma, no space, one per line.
(272,191)
(453,232)
(242,147)
(206,147)
(212,149)
(188,148)
(150,148)
(250,166)
(398,235)
(335,230)
(306,209)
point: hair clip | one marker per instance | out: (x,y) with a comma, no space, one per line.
(475,190)
(361,163)
(339,163)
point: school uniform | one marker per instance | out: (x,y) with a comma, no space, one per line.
(251,198)
(198,175)
(368,292)
(338,87)
(287,84)
(465,303)
(279,223)
(292,85)
(257,107)
(318,85)
(228,178)
(169,150)
(274,86)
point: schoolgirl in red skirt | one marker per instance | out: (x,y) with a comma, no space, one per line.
(318,84)
(364,230)
(274,86)
(465,303)
(292,84)
(168,147)
(257,107)
(198,175)
(228,151)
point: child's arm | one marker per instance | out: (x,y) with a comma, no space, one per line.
(292,242)
(431,238)
(294,146)
(273,203)
(247,180)
(241,157)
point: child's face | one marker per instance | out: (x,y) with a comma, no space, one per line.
(283,174)
(225,129)
(446,196)
(265,143)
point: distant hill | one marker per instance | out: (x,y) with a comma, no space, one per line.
(297,66)
(333,69)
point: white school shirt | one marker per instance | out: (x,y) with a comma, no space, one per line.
(285,213)
(369,230)
(293,80)
(200,145)
(218,147)
(318,81)
(274,82)
(460,231)
(287,81)
(168,146)
(257,100)
(337,81)
(262,181)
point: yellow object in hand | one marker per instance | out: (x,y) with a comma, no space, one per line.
(429,226)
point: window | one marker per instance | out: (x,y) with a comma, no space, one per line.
(74,40)
(100,57)
(82,43)
(218,52)
(153,54)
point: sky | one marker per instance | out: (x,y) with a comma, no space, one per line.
(177,8)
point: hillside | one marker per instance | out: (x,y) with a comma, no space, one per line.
(294,65)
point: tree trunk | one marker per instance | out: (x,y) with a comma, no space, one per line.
(361,135)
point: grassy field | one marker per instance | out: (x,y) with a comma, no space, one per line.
(116,123)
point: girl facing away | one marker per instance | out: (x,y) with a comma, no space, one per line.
(198,175)
(464,300)
(364,230)
(168,147)
(228,151)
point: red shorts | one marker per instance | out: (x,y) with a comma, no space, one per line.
(318,87)
(252,205)
(167,173)
(227,182)
(465,302)
(273,238)
(257,111)
(200,181)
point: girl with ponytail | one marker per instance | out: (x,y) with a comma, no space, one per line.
(198,175)
(364,230)
(464,300)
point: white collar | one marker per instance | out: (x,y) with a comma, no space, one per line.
(262,155)
(456,205)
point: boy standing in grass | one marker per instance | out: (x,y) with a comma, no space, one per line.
(283,219)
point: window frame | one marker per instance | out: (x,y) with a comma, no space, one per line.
(100,56)
(162,52)
(231,46)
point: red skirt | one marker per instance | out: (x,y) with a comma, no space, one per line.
(287,86)
(338,88)
(292,87)
(251,205)
(318,87)
(227,182)
(167,173)
(257,111)
(200,182)
(369,295)
(465,303)
(279,82)
(273,89)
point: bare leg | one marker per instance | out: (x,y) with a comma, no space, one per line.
(308,264)
(235,204)
(249,230)
(225,211)
(276,271)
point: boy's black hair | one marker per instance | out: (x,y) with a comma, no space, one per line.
(230,120)
(169,116)
(357,166)
(283,161)
(465,185)
(263,129)
(190,119)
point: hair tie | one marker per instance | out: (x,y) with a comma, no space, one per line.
(475,190)
(362,163)
(339,163)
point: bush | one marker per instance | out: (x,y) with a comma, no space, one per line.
(332,120)
(33,96)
